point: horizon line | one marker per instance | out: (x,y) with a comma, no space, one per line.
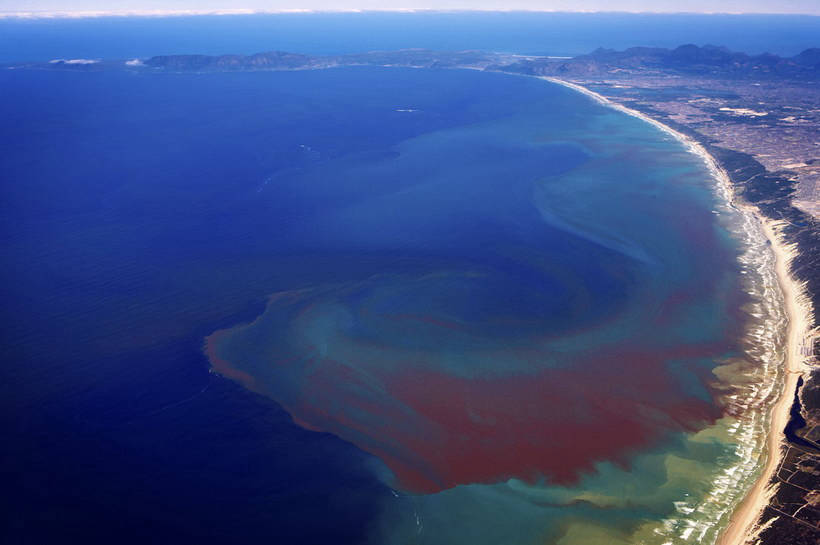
(92,14)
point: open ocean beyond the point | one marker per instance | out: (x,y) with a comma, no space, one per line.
(339,33)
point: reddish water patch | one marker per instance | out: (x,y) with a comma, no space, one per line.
(436,430)
(223,366)
(555,424)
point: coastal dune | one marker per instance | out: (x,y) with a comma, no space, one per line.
(741,526)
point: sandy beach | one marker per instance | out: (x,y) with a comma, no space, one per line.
(741,526)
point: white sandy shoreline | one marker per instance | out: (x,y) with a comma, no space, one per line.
(742,521)
(741,524)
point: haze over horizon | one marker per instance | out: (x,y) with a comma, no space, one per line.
(62,8)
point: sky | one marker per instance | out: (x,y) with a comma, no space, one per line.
(98,7)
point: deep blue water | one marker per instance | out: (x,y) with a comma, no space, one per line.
(141,212)
(544,34)
(132,226)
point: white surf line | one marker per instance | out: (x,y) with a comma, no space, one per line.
(800,313)
(799,332)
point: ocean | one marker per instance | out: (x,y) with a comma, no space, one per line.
(560,34)
(444,307)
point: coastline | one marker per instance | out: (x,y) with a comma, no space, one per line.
(741,524)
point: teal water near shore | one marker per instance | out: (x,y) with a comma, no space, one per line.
(537,360)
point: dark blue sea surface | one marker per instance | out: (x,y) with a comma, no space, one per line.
(140,213)
(462,216)
(328,33)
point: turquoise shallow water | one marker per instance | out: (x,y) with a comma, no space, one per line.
(530,359)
